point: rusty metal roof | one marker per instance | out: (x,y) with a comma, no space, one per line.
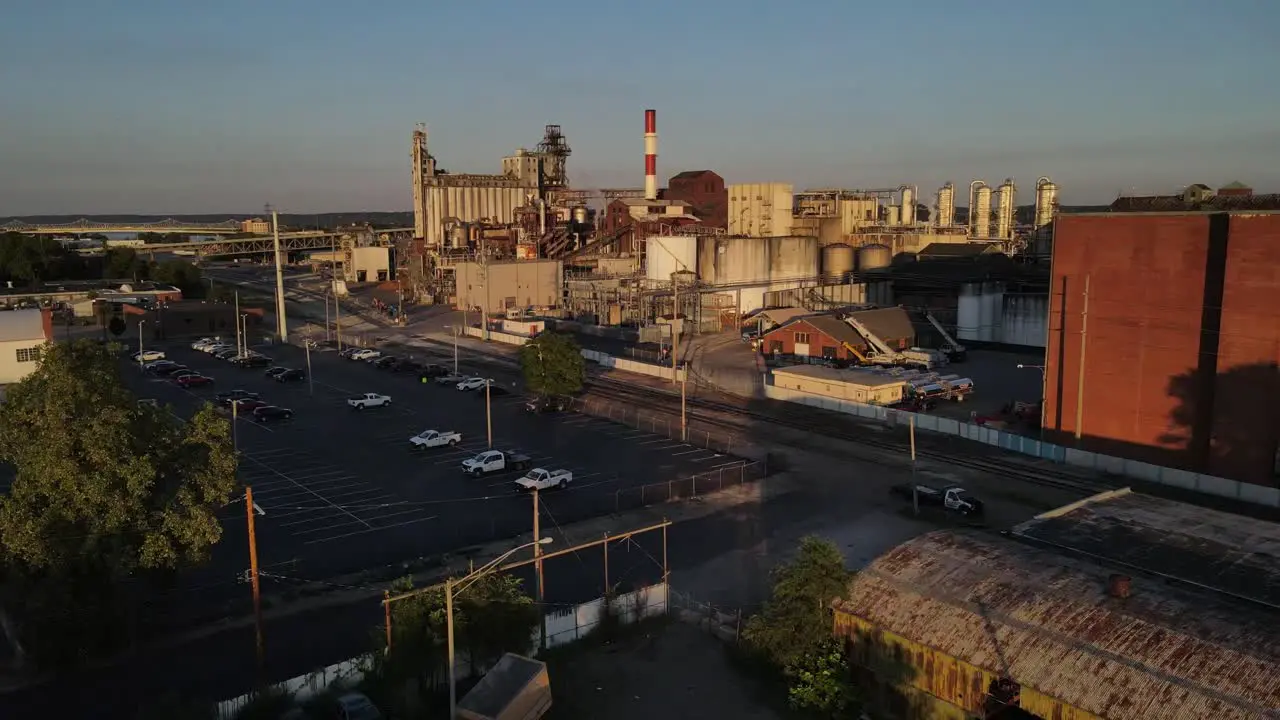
(1170,651)
(1176,203)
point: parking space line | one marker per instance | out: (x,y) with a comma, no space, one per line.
(660,439)
(345,485)
(689,452)
(315,494)
(362,532)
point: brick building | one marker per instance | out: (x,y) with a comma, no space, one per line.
(705,192)
(827,337)
(1183,334)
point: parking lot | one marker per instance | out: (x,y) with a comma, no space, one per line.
(342,490)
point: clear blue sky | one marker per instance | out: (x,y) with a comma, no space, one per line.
(173,106)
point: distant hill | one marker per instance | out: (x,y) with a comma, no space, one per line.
(292,221)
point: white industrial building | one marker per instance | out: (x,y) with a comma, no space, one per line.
(760,209)
(23,334)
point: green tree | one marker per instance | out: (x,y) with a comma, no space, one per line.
(116,325)
(492,615)
(182,275)
(121,262)
(820,682)
(105,491)
(797,617)
(552,364)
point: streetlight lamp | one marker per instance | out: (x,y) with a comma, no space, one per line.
(463,584)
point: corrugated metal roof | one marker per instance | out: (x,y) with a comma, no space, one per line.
(835,328)
(957,249)
(1176,203)
(781,316)
(21,325)
(891,324)
(861,378)
(1168,652)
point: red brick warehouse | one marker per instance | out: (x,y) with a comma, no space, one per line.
(1183,334)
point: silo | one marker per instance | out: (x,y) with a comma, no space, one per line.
(979,209)
(946,205)
(1006,199)
(891,215)
(580,216)
(837,261)
(728,260)
(908,212)
(1046,201)
(792,258)
(874,257)
(665,255)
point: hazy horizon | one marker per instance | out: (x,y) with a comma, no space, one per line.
(174,108)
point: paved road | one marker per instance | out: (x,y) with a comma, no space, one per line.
(343,491)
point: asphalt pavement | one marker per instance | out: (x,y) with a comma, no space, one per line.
(342,491)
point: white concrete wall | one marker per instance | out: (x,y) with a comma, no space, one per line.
(11,371)
(1024,320)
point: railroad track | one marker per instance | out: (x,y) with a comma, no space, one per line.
(972,461)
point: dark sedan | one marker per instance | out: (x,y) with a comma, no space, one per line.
(272,413)
(290,376)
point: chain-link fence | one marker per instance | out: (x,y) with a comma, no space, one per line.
(724,623)
(656,424)
(675,489)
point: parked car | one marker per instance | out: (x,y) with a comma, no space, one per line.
(408,366)
(252,361)
(346,353)
(290,375)
(226,354)
(495,390)
(548,404)
(953,499)
(432,370)
(365,354)
(179,374)
(473,383)
(435,438)
(246,406)
(274,371)
(204,342)
(492,461)
(170,370)
(156,366)
(189,381)
(386,362)
(271,413)
(356,706)
(369,400)
(543,479)
(226,398)
(148,356)
(450,379)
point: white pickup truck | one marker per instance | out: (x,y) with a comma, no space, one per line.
(543,479)
(369,400)
(434,438)
(492,461)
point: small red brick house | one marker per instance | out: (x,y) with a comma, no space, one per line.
(827,337)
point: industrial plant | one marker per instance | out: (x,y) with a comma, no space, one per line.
(703,250)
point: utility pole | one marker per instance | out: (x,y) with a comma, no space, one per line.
(684,418)
(328,332)
(253,580)
(915,489)
(1084,337)
(537,563)
(239,346)
(455,351)
(142,365)
(675,333)
(281,327)
(488,419)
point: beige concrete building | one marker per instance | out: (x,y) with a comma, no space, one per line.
(855,385)
(369,264)
(23,334)
(257,226)
(497,286)
(760,209)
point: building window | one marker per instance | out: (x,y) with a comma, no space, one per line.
(28,354)
(802,338)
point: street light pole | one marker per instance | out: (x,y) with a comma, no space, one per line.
(141,363)
(239,348)
(311,384)
(455,351)
(488,414)
(281,326)
(463,584)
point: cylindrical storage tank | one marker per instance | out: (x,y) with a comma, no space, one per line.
(892,213)
(969,311)
(793,257)
(837,261)
(1005,208)
(908,211)
(580,216)
(981,219)
(1046,201)
(666,254)
(726,260)
(873,257)
(947,205)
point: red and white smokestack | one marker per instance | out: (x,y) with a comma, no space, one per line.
(650,154)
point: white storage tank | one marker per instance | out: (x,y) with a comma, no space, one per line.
(1006,206)
(732,260)
(891,215)
(946,205)
(969,312)
(837,261)
(1046,201)
(874,257)
(667,254)
(908,211)
(793,257)
(980,219)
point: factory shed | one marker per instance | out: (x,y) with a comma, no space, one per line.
(957,251)
(811,337)
(773,317)
(1121,606)
(855,385)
